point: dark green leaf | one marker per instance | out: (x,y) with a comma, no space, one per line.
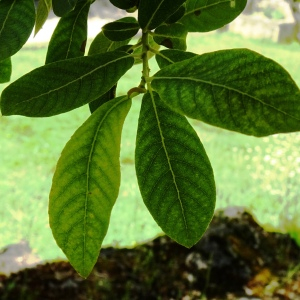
(42,12)
(208,15)
(172,36)
(70,35)
(153,13)
(5,70)
(61,7)
(17,19)
(179,13)
(174,173)
(86,185)
(122,29)
(64,85)
(111,94)
(124,4)
(168,57)
(238,89)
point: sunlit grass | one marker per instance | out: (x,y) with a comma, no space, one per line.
(261,174)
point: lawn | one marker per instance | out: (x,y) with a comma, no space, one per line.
(261,174)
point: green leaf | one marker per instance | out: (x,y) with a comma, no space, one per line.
(64,85)
(86,185)
(101,44)
(122,29)
(61,7)
(167,57)
(137,52)
(208,15)
(70,35)
(124,4)
(153,13)
(174,173)
(17,19)
(42,12)
(179,13)
(5,70)
(237,89)
(172,36)
(111,94)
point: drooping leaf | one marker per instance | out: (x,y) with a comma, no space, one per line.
(5,70)
(171,36)
(42,12)
(70,35)
(179,13)
(174,173)
(153,13)
(124,4)
(61,7)
(122,29)
(111,94)
(237,89)
(168,57)
(17,19)
(64,85)
(101,44)
(208,15)
(86,185)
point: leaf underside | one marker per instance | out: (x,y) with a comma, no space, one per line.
(42,12)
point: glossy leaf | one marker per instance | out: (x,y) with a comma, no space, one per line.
(238,89)
(5,70)
(168,57)
(64,85)
(171,36)
(174,173)
(17,19)
(122,29)
(153,13)
(70,35)
(208,15)
(86,185)
(124,4)
(61,7)
(179,13)
(42,12)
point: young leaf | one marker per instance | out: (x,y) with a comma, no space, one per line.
(64,85)
(61,7)
(86,185)
(70,35)
(17,19)
(42,12)
(122,29)
(203,15)
(237,89)
(171,36)
(124,4)
(153,13)
(174,173)
(5,70)
(168,57)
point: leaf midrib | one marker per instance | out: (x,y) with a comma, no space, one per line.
(8,13)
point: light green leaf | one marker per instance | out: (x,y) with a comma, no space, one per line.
(208,15)
(137,52)
(64,85)
(237,89)
(174,173)
(42,12)
(17,19)
(70,35)
(61,7)
(86,185)
(153,13)
(5,70)
(172,36)
(122,29)
(167,57)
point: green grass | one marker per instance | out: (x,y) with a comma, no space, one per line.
(261,174)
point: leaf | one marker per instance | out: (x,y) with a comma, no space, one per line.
(237,89)
(70,35)
(167,57)
(124,4)
(174,173)
(172,36)
(64,85)
(5,70)
(122,29)
(111,94)
(101,44)
(17,19)
(139,50)
(153,13)
(86,185)
(42,12)
(208,15)
(61,7)
(179,13)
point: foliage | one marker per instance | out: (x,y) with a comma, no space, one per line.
(237,89)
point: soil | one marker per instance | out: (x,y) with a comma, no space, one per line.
(235,259)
